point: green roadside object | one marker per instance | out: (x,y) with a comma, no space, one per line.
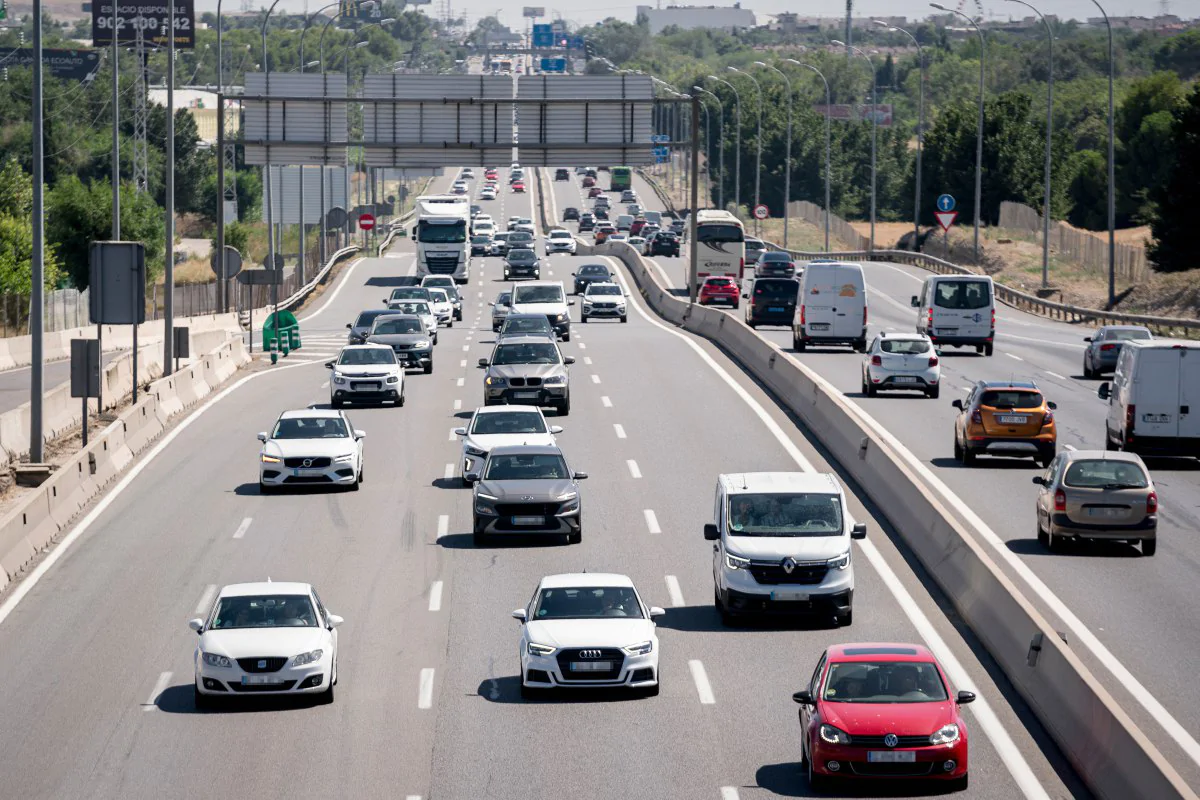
(275,340)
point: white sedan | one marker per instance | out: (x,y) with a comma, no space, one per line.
(441,305)
(588,629)
(560,241)
(901,361)
(487,193)
(311,447)
(266,638)
(495,426)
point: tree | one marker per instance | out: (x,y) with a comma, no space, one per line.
(1174,225)
(16,233)
(1089,191)
(81,213)
(1143,124)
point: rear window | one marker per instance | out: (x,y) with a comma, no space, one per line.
(781,290)
(1011,398)
(904,347)
(719,282)
(1104,474)
(1126,334)
(962,294)
(775,256)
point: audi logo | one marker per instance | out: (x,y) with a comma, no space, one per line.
(891,740)
(589,653)
(306,462)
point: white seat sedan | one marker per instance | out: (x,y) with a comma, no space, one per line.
(366,373)
(901,361)
(311,447)
(441,306)
(588,630)
(560,241)
(266,638)
(496,426)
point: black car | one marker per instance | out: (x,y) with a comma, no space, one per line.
(601,212)
(664,243)
(772,301)
(481,245)
(775,264)
(591,172)
(570,213)
(561,174)
(590,273)
(587,221)
(475,209)
(522,263)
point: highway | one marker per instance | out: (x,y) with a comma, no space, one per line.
(14,383)
(97,653)
(1132,605)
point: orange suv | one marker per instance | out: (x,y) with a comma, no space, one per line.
(1005,418)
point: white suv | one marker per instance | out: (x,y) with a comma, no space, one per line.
(560,241)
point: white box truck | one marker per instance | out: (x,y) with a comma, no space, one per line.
(1150,399)
(442,236)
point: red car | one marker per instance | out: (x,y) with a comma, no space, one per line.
(635,229)
(595,191)
(588,181)
(882,711)
(491,175)
(519,186)
(603,233)
(720,290)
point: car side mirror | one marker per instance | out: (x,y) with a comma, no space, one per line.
(472,477)
(483,362)
(333,620)
(1087,338)
(1039,480)
(964,698)
(656,612)
(581,476)
(859,531)
(328,365)
(957,404)
(711,534)
(570,302)
(556,429)
(1104,391)
(568,359)
(196,624)
(915,302)
(349,326)
(519,615)
(803,697)
(1050,404)
(460,431)
(572,274)
(360,434)
(262,436)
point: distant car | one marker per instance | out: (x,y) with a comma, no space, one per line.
(901,361)
(588,182)
(422,310)
(619,236)
(447,283)
(570,213)
(526,490)
(638,243)
(587,221)
(467,173)
(603,232)
(561,174)
(408,337)
(522,263)
(677,227)
(362,324)
(497,426)
(772,301)
(595,191)
(603,301)
(442,306)
(518,325)
(1097,495)
(1105,345)
(634,208)
(500,309)
(405,293)
(635,228)
(754,247)
(527,370)
(629,196)
(624,221)
(487,193)
(518,187)
(481,245)
(366,373)
(310,447)
(718,289)
(500,243)
(665,243)
(775,264)
(520,239)
(601,213)
(591,172)
(1005,418)
(560,241)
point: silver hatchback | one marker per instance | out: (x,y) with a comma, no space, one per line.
(1097,494)
(1104,347)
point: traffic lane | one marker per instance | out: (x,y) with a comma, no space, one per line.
(14,383)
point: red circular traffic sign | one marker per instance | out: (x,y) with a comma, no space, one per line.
(366,222)
(761,211)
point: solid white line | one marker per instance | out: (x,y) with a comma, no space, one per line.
(651,521)
(674,591)
(620,431)
(1056,375)
(449,471)
(435,596)
(241,529)
(325,385)
(458,405)
(700,678)
(729,793)
(159,687)
(586,360)
(633,468)
(460,382)
(345,279)
(206,600)
(595,378)
(604,401)
(425,693)
(1010,355)
(443,525)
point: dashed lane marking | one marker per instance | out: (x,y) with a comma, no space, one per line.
(674,592)
(241,529)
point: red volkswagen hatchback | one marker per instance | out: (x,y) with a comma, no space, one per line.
(882,711)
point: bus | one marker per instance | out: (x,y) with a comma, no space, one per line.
(621,178)
(721,239)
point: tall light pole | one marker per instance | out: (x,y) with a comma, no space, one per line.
(737,146)
(1049,133)
(787,175)
(828,166)
(920,130)
(758,157)
(116,138)
(1112,183)
(267,173)
(220,161)
(37,265)
(720,142)
(320,222)
(979,126)
(874,133)
(169,289)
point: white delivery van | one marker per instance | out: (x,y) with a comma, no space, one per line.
(1154,398)
(957,311)
(832,306)
(781,545)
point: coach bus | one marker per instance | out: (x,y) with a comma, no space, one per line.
(621,179)
(720,238)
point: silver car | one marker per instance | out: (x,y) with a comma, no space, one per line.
(1096,494)
(527,489)
(500,310)
(1105,346)
(527,370)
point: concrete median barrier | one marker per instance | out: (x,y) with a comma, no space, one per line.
(1112,754)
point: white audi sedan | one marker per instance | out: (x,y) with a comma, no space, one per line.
(266,638)
(588,630)
(311,447)
(901,361)
(496,426)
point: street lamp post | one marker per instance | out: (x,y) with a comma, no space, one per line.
(737,146)
(758,157)
(720,143)
(874,133)
(828,167)
(267,173)
(168,365)
(920,130)
(979,126)
(1112,191)
(321,222)
(787,175)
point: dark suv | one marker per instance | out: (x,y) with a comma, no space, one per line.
(775,264)
(665,243)
(772,302)
(587,221)
(570,213)
(561,174)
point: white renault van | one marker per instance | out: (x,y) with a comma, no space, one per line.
(832,306)
(1150,399)
(958,311)
(781,545)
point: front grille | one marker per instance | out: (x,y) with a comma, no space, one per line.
(604,305)
(306,479)
(877,741)
(914,770)
(251,688)
(525,381)
(317,462)
(269,664)
(526,509)
(802,574)
(400,348)
(565,657)
(442,265)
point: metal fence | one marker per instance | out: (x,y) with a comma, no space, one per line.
(62,309)
(1087,249)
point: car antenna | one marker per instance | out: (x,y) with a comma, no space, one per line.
(268,579)
(744,486)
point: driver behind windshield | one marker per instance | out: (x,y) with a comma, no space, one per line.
(785,515)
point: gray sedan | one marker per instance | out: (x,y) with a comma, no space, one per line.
(1105,346)
(527,489)
(527,370)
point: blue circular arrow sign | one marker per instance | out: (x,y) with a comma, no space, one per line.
(945,202)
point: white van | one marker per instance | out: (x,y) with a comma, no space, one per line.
(544,297)
(1155,385)
(781,545)
(958,311)
(832,306)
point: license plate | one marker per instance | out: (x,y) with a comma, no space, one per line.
(525,395)
(529,520)
(775,310)
(947,331)
(1156,418)
(1008,419)
(819,326)
(591,666)
(792,596)
(300,473)
(1107,513)
(904,379)
(366,386)
(891,756)
(259,680)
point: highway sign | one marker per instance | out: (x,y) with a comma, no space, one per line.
(661,152)
(151,16)
(945,202)
(366,222)
(575,43)
(543,36)
(660,138)
(554,65)
(946,219)
(761,211)
(73,65)
(233,262)
(532,12)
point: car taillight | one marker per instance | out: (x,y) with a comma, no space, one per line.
(1060,500)
(876,361)
(1152,503)
(1047,418)
(1108,347)
(742,268)
(993,319)
(933,361)
(976,417)
(929,324)
(864,314)
(802,315)
(1129,420)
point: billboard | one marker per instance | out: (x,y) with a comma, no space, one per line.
(72,65)
(151,16)
(354,9)
(533,11)
(858,112)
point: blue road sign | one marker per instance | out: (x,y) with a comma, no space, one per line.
(554,65)
(661,152)
(660,138)
(543,36)
(945,202)
(575,43)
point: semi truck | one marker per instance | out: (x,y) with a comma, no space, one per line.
(442,236)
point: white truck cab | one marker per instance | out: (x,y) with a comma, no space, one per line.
(781,545)
(1151,398)
(441,236)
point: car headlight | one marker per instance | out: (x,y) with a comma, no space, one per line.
(639,649)
(393,379)
(587,303)
(555,380)
(492,381)
(560,318)
(485,509)
(338,380)
(346,459)
(421,345)
(266,459)
(482,496)
(536,649)
(736,562)
(307,658)
(946,735)
(475,451)
(834,735)
(839,562)
(214,660)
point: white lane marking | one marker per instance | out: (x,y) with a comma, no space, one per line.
(466,348)
(413,797)
(206,600)
(595,378)
(160,686)
(673,590)
(619,430)
(651,521)
(729,793)
(435,596)
(586,360)
(458,405)
(582,346)
(443,525)
(325,385)
(394,255)
(1055,375)
(481,295)
(452,435)
(425,692)
(633,468)
(449,473)
(462,363)
(345,279)
(241,529)
(460,381)
(604,401)
(700,678)
(1018,358)
(1070,447)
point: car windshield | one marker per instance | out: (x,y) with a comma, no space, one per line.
(522,254)
(438,295)
(538,294)
(526,353)
(362,356)
(527,325)
(499,422)
(963,294)
(588,602)
(418,307)
(904,347)
(1011,398)
(520,237)
(1104,474)
(410,293)
(264,611)
(785,515)
(385,327)
(777,290)
(480,239)
(526,467)
(594,269)
(442,233)
(755,244)
(501,237)
(884,682)
(1126,334)
(605,290)
(367,317)
(311,428)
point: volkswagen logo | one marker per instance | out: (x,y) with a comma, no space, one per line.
(262,663)
(891,740)
(306,462)
(788,564)
(589,653)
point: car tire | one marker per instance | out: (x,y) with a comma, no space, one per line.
(735,305)
(564,408)
(988,349)
(860,345)
(727,617)
(326,697)
(428,368)
(575,537)
(624,319)
(435,338)
(797,344)
(652,691)
(960,784)
(529,692)
(265,488)
(358,482)
(400,400)
(495,329)
(845,620)
(816,782)
(583,318)
(1042,537)
(458,315)
(1149,546)
(201,701)
(479,538)
(870,388)
(337,404)
(1087,371)
(968,457)
(566,337)
(751,323)
(450,323)
(934,392)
